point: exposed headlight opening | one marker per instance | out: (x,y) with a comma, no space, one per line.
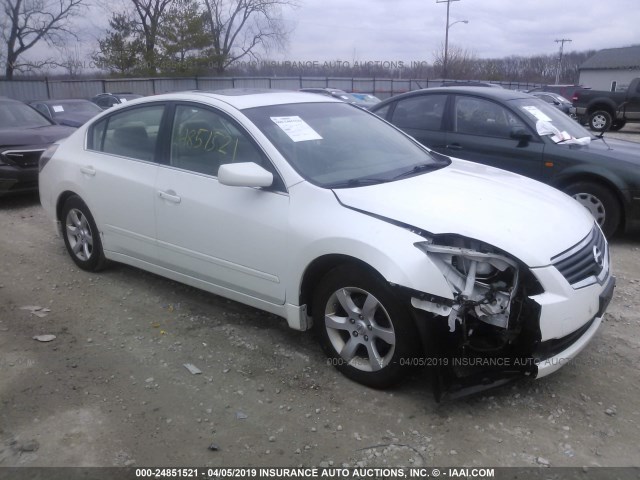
(483,282)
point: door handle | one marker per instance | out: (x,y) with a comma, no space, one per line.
(89,170)
(454,146)
(170,196)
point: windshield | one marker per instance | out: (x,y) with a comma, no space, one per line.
(20,115)
(366,98)
(337,145)
(549,121)
(75,107)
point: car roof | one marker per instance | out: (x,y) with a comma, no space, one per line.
(320,89)
(502,94)
(242,98)
(471,83)
(60,100)
(9,100)
(553,94)
(117,94)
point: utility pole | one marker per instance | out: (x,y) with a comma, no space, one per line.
(446,38)
(561,41)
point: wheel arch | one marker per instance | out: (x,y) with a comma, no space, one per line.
(611,184)
(319,267)
(322,265)
(62,198)
(601,104)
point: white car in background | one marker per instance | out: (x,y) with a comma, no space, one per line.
(327,216)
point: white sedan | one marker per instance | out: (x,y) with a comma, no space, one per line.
(329,217)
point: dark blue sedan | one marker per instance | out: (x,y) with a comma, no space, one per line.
(523,134)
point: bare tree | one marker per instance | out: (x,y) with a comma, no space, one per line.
(27,22)
(461,63)
(238,28)
(71,60)
(150,14)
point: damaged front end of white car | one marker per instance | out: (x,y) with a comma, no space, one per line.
(500,323)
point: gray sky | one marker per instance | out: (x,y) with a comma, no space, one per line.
(393,30)
(412,30)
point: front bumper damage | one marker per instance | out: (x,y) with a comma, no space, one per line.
(507,321)
(555,353)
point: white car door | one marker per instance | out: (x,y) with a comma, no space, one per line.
(118,174)
(232,237)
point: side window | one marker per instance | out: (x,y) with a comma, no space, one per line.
(42,108)
(202,140)
(132,133)
(420,112)
(477,116)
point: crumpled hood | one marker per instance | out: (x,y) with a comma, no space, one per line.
(525,218)
(15,137)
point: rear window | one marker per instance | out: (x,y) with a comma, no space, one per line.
(131,133)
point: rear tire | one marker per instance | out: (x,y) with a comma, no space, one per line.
(600,201)
(366,332)
(81,236)
(600,121)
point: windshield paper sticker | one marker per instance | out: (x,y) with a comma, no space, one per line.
(58,108)
(537,113)
(561,137)
(297,129)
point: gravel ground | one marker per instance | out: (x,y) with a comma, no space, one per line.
(111,388)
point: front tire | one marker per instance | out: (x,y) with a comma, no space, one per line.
(81,236)
(366,332)
(600,121)
(600,202)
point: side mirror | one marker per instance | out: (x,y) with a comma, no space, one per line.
(520,133)
(246,174)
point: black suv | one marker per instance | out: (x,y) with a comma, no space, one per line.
(24,134)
